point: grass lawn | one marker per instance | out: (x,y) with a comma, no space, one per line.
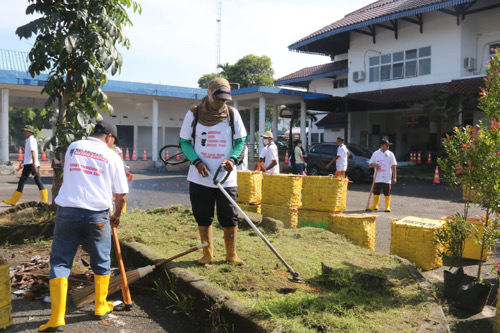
(363,291)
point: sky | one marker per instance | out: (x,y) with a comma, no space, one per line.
(174,42)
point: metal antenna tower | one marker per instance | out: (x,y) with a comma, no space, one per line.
(218,34)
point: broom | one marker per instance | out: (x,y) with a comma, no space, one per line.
(86,295)
(127,299)
(371,190)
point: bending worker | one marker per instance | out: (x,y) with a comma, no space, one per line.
(92,174)
(384,162)
(30,166)
(213,134)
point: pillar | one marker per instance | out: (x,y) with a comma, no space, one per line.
(303,124)
(275,122)
(262,119)
(4,128)
(251,149)
(154,151)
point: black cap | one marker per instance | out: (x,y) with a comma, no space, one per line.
(223,93)
(104,127)
(385,142)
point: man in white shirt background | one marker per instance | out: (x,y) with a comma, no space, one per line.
(384,162)
(340,159)
(271,163)
(30,166)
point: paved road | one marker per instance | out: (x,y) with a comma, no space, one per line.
(157,189)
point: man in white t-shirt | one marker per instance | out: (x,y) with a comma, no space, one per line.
(271,162)
(210,138)
(30,166)
(340,159)
(93,173)
(384,162)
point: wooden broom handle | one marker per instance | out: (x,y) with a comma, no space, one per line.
(181,254)
(127,299)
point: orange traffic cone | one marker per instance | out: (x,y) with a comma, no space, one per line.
(178,157)
(20,155)
(412,156)
(419,161)
(429,158)
(286,157)
(167,155)
(127,156)
(436,175)
(144,156)
(134,155)
(44,156)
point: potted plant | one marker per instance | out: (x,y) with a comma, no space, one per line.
(452,238)
(471,161)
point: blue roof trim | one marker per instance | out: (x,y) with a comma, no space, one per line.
(381,19)
(313,77)
(23,78)
(280,91)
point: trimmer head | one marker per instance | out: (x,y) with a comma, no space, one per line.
(295,278)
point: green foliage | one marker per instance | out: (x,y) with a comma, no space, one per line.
(76,44)
(249,71)
(445,105)
(19,117)
(452,238)
(473,154)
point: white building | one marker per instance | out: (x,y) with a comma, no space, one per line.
(390,58)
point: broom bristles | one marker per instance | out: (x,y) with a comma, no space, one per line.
(86,295)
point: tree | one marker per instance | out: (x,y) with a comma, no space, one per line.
(76,44)
(249,71)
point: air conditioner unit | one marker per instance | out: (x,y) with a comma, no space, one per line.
(469,63)
(358,76)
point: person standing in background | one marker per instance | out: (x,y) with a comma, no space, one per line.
(340,159)
(384,162)
(299,158)
(271,163)
(30,166)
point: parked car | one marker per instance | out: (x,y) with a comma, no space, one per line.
(321,154)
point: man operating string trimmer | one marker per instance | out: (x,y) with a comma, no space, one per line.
(213,134)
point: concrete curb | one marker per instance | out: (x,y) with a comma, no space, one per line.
(212,307)
(436,322)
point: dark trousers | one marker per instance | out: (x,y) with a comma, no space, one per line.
(205,199)
(27,171)
(379,187)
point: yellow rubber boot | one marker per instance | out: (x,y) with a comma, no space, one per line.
(387,203)
(102,307)
(230,242)
(15,198)
(124,208)
(208,252)
(58,295)
(376,201)
(44,196)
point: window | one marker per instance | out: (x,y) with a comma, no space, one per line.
(399,65)
(493,47)
(340,83)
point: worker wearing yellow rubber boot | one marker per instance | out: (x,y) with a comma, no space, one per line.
(384,162)
(84,204)
(213,135)
(30,166)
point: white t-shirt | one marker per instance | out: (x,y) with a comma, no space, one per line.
(92,173)
(298,153)
(341,162)
(263,152)
(385,160)
(31,145)
(212,145)
(271,155)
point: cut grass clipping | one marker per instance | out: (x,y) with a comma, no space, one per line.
(355,291)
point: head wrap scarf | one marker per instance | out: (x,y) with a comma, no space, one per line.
(212,111)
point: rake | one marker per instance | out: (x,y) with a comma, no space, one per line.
(86,295)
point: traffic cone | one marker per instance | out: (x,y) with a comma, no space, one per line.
(120,152)
(167,155)
(134,155)
(436,175)
(178,157)
(144,156)
(127,156)
(286,157)
(412,156)
(419,161)
(20,155)
(44,156)
(429,158)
